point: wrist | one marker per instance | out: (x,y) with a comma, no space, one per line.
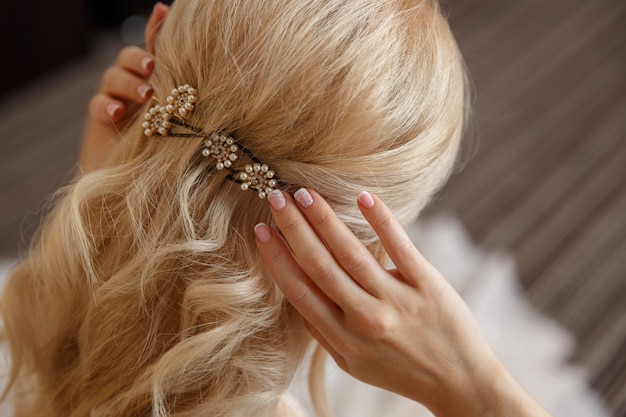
(488,391)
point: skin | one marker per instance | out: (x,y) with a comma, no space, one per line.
(405,330)
(123,89)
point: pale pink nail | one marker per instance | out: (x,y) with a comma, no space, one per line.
(366,199)
(112,108)
(144,90)
(146,62)
(263,232)
(303,197)
(277,199)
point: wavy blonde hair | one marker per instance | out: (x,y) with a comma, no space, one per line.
(143,293)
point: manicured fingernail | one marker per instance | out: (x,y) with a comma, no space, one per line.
(303,197)
(366,199)
(146,63)
(144,90)
(112,109)
(277,199)
(263,232)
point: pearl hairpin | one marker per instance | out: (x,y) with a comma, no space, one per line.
(180,103)
(223,148)
(157,120)
(258,177)
(161,118)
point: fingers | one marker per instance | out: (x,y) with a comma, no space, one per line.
(312,253)
(407,259)
(136,60)
(346,248)
(314,306)
(120,89)
(127,79)
(123,85)
(105,109)
(123,91)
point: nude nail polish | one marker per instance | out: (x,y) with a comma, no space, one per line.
(144,90)
(146,63)
(303,197)
(366,199)
(263,232)
(277,199)
(112,108)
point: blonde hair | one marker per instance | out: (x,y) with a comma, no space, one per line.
(143,293)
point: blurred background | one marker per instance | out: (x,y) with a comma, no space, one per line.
(543,173)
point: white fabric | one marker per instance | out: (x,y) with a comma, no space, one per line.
(532,346)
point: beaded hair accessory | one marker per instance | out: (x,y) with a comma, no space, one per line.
(161,118)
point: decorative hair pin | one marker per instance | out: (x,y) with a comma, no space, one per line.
(181,103)
(160,119)
(226,150)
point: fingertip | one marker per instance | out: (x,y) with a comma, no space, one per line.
(277,200)
(114,110)
(147,64)
(263,233)
(303,197)
(145,91)
(366,200)
(160,7)
(104,110)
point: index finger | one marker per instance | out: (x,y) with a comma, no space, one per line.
(345,247)
(313,255)
(136,61)
(405,256)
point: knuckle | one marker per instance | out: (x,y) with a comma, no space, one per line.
(377,326)
(125,53)
(272,255)
(385,219)
(94,105)
(319,267)
(290,225)
(352,259)
(108,77)
(322,219)
(405,249)
(296,294)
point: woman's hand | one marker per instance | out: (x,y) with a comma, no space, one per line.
(123,90)
(405,330)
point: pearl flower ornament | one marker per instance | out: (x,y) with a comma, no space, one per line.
(161,118)
(181,102)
